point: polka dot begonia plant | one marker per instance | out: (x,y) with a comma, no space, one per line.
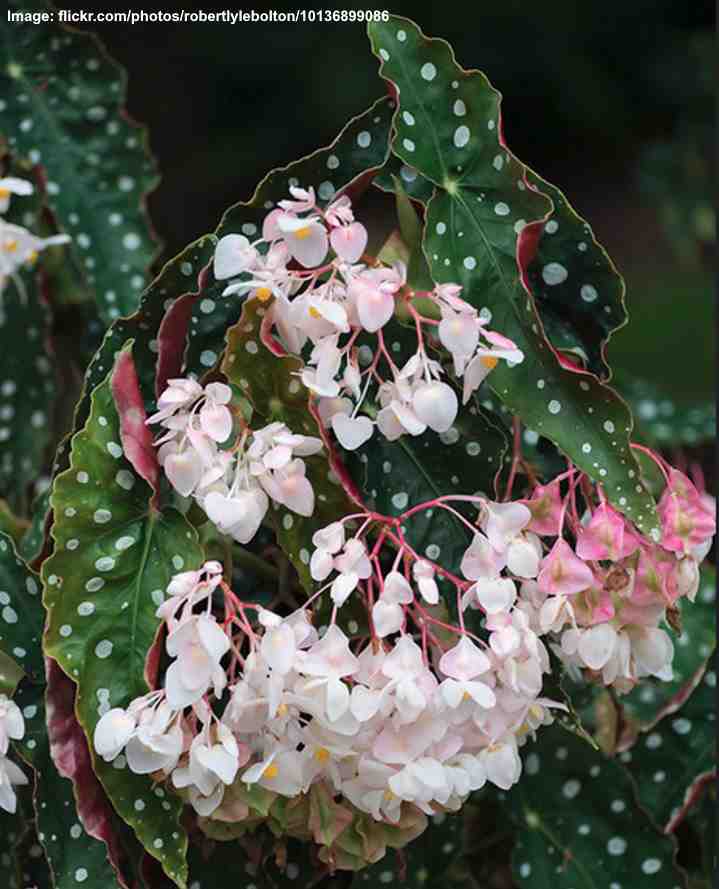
(349,545)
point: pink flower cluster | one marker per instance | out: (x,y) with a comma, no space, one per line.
(410,712)
(324,306)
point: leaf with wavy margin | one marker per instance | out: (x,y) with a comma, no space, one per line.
(113,557)
(482,230)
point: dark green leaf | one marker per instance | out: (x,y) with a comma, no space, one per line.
(577,824)
(27,375)
(21,611)
(63,108)
(113,557)
(448,126)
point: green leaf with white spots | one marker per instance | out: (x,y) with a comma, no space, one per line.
(662,422)
(276,394)
(672,763)
(577,823)
(434,860)
(31,544)
(653,699)
(577,288)
(27,376)
(416,186)
(395,475)
(63,109)
(113,557)
(74,857)
(21,611)
(481,226)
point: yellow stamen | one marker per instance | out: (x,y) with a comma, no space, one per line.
(271,771)
(32,257)
(303,233)
(322,754)
(489,362)
(263,294)
(388,795)
(314,313)
(4,192)
(466,696)
(10,246)
(282,710)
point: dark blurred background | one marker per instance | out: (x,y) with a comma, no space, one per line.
(612,101)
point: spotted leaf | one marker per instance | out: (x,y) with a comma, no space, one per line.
(395,475)
(576,819)
(578,291)
(276,394)
(21,611)
(27,373)
(673,763)
(74,857)
(113,557)
(63,108)
(482,228)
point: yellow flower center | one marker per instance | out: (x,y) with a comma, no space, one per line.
(263,294)
(322,754)
(271,771)
(10,246)
(282,710)
(314,313)
(388,795)
(303,233)
(489,362)
(4,192)
(32,257)
(466,696)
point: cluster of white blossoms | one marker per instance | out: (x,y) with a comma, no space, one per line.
(18,246)
(235,483)
(409,713)
(320,307)
(12,728)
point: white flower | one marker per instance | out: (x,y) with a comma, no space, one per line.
(11,776)
(306,238)
(239,515)
(12,724)
(329,660)
(157,743)
(423,574)
(112,732)
(353,565)
(198,645)
(12,185)
(462,664)
(234,255)
(502,763)
(436,405)
(211,766)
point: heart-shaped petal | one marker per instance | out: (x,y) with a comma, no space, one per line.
(352,432)
(183,471)
(349,241)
